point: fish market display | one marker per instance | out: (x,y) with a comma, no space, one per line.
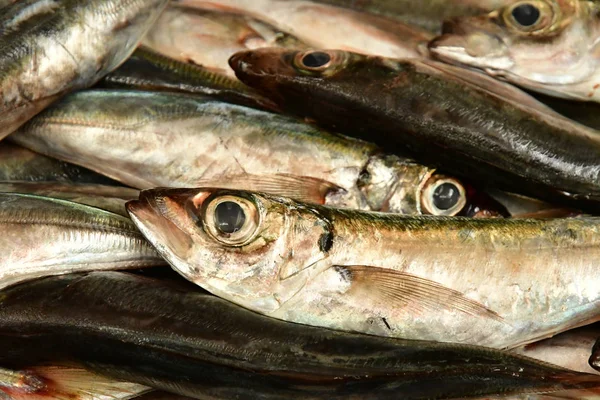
(145,140)
(209,38)
(469,124)
(452,279)
(188,347)
(49,48)
(44,236)
(549,46)
(324,26)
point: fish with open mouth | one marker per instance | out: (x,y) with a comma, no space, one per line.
(548,46)
(494,282)
(51,47)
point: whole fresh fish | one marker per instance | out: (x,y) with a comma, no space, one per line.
(209,38)
(148,140)
(64,383)
(325,26)
(549,46)
(461,120)
(44,236)
(148,70)
(127,327)
(20,164)
(109,198)
(494,282)
(424,14)
(51,47)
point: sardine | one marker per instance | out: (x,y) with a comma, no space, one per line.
(146,331)
(44,236)
(52,47)
(64,383)
(109,198)
(20,164)
(148,70)
(148,140)
(324,26)
(468,123)
(549,46)
(209,38)
(499,283)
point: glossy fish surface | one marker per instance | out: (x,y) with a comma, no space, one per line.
(201,346)
(495,282)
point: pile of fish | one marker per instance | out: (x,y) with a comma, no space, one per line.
(290,199)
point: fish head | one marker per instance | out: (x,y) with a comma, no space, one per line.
(529,43)
(252,249)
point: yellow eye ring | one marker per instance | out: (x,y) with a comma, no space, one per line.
(442,195)
(231,220)
(529,16)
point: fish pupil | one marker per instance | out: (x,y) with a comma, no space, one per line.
(526,14)
(316,59)
(229,217)
(446,196)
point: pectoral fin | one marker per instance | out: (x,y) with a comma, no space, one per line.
(402,290)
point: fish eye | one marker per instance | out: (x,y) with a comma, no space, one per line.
(443,195)
(529,16)
(316,59)
(318,62)
(230,219)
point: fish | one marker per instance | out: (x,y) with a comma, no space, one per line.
(208,38)
(499,283)
(444,116)
(147,140)
(146,331)
(51,47)
(147,70)
(325,26)
(547,46)
(109,198)
(424,14)
(45,236)
(64,383)
(20,164)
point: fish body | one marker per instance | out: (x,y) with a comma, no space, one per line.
(45,236)
(548,46)
(123,326)
(494,282)
(460,120)
(325,26)
(208,38)
(51,47)
(148,140)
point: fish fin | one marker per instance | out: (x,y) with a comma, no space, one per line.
(301,188)
(408,291)
(67,383)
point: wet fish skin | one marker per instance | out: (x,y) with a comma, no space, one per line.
(20,164)
(148,140)
(45,236)
(57,46)
(555,54)
(382,274)
(149,71)
(189,348)
(404,105)
(325,26)
(208,38)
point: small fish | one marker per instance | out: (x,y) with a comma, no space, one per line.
(150,71)
(20,164)
(324,26)
(45,236)
(548,46)
(159,334)
(64,383)
(499,283)
(463,121)
(51,47)
(208,38)
(174,140)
